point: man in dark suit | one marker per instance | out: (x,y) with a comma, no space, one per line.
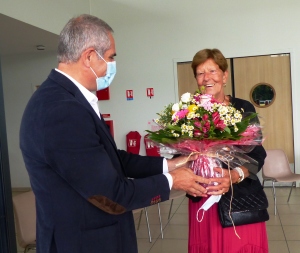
(85,187)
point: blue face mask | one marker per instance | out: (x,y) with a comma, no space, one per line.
(104,81)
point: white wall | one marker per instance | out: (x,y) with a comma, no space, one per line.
(45,14)
(152,34)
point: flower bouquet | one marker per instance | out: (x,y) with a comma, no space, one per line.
(199,124)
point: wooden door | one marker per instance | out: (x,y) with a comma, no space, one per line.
(276,118)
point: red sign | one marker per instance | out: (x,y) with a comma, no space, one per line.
(129,94)
(105,115)
(150,92)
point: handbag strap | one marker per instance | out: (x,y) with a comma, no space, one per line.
(230,202)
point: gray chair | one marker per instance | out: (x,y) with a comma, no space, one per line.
(277,169)
(141,210)
(25,219)
(174,194)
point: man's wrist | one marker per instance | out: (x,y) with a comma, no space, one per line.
(170,179)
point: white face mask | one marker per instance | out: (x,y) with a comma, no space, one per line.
(207,204)
(104,81)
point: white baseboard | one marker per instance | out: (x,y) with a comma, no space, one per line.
(20,189)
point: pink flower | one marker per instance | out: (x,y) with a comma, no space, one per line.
(197,133)
(206,127)
(182,113)
(205,99)
(205,117)
(197,123)
(215,116)
(213,100)
(219,124)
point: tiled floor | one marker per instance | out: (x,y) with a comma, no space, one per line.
(283,229)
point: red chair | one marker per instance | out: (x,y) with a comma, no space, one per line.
(133,142)
(151,148)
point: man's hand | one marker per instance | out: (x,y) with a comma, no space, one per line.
(185,179)
(180,161)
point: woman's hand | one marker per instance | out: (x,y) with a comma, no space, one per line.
(222,183)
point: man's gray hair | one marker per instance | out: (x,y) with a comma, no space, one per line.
(81,33)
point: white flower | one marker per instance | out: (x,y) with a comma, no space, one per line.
(184,106)
(175,107)
(190,115)
(223,110)
(186,97)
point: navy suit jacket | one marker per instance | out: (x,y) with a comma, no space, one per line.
(83,184)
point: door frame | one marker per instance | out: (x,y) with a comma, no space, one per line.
(7,226)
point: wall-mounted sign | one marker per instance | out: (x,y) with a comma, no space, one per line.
(150,92)
(129,94)
(105,115)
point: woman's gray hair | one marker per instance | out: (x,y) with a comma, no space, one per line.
(80,33)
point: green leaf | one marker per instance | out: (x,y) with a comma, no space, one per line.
(242,126)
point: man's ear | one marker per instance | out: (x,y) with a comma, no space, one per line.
(87,56)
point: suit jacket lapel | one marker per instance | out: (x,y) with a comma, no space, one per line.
(67,84)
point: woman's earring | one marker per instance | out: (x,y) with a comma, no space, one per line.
(224,84)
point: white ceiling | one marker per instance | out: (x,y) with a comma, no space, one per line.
(17,37)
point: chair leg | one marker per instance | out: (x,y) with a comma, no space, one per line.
(170,209)
(274,196)
(148,225)
(29,247)
(139,223)
(293,184)
(159,215)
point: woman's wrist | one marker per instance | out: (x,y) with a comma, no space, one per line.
(241,173)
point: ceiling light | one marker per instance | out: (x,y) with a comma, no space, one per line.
(40,47)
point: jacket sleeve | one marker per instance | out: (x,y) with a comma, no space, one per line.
(258,153)
(76,148)
(137,166)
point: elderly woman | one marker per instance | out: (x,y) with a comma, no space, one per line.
(208,236)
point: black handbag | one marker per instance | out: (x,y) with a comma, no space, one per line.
(249,204)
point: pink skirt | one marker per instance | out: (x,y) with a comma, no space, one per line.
(208,236)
